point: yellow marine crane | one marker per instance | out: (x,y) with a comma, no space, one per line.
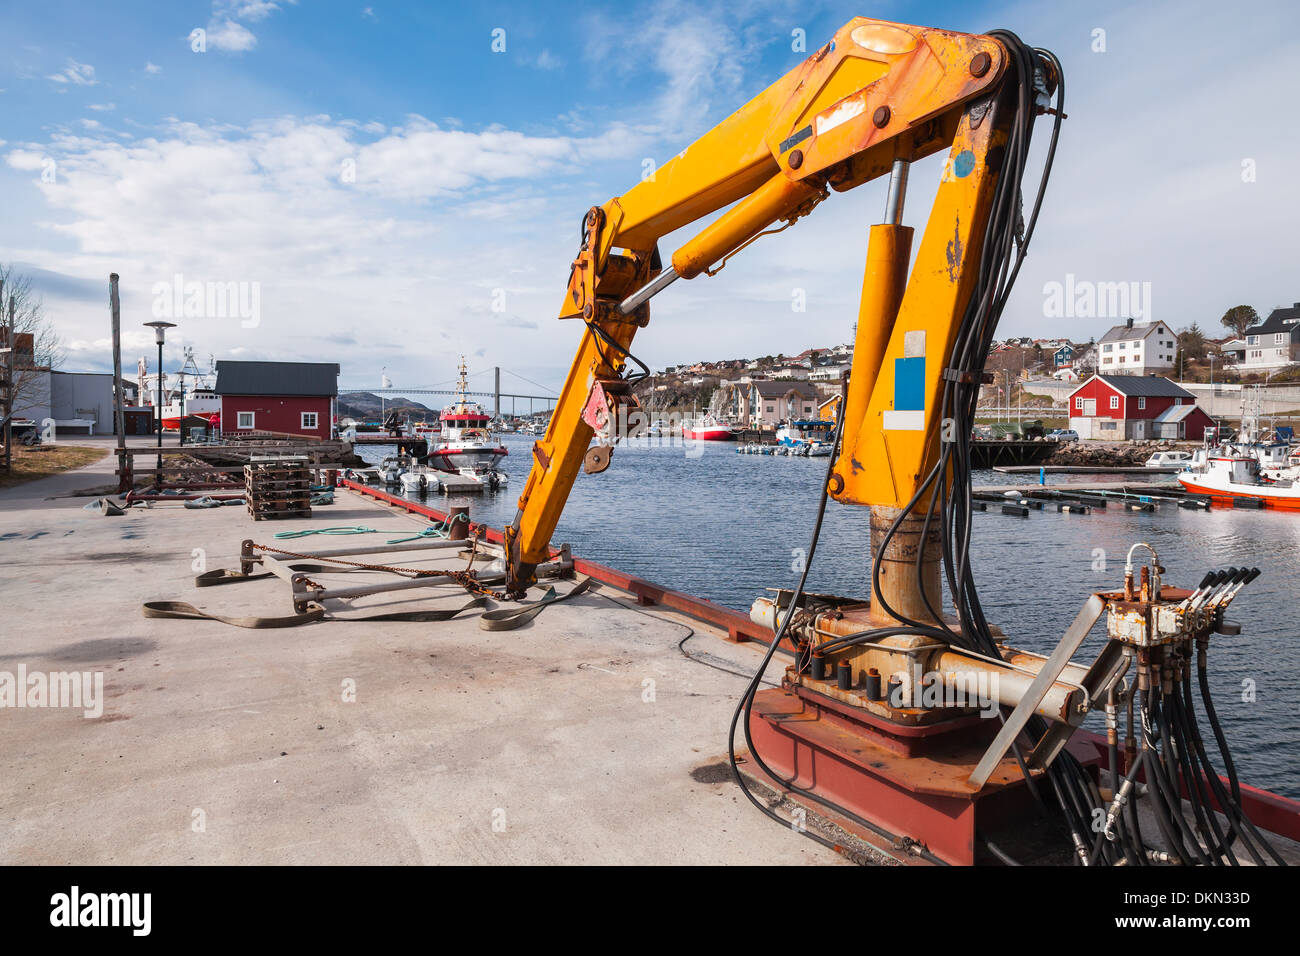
(875,720)
(875,99)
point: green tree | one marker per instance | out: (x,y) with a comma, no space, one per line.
(1192,347)
(1239,318)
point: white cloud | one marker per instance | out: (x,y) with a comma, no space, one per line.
(700,55)
(546,60)
(410,251)
(102,107)
(26,160)
(152,68)
(250,10)
(75,74)
(230,37)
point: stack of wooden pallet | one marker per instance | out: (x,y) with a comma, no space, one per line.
(278,487)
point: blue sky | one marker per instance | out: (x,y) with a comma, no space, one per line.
(471,169)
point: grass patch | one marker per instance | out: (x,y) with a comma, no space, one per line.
(29,464)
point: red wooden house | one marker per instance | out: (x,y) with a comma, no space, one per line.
(1121,407)
(295,398)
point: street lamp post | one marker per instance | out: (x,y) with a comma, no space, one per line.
(159,331)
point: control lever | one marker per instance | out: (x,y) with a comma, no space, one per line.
(1243,579)
(1191,598)
(1219,578)
(1216,597)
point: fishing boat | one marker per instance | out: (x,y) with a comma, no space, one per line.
(194,395)
(1229,473)
(466,445)
(708,429)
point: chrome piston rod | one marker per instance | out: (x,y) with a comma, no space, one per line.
(652,288)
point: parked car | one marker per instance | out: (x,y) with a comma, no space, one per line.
(1062,434)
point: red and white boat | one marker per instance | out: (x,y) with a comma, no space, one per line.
(467,445)
(1229,473)
(709,430)
(200,397)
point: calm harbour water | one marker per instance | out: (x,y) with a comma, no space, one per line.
(724,526)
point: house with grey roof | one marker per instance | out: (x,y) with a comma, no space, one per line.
(1141,348)
(1123,407)
(280,398)
(771,403)
(1274,343)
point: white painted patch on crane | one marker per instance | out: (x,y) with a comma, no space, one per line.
(841,114)
(914,344)
(904,421)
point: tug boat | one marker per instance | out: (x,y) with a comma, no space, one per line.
(1229,473)
(467,445)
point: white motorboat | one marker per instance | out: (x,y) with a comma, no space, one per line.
(393,467)
(798,437)
(493,478)
(1169,459)
(418,482)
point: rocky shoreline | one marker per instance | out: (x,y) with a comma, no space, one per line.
(1113,454)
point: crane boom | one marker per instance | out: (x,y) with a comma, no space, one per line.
(874,99)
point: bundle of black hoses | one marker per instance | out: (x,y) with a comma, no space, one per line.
(1173,752)
(1176,763)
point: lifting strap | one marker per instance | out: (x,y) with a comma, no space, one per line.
(502,619)
(507,619)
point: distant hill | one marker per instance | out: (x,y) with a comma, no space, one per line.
(367,407)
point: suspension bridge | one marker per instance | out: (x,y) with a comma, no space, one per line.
(547,399)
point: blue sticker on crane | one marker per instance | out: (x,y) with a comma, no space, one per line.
(909,384)
(963,164)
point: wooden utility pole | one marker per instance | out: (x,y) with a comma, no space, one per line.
(9,385)
(119,417)
(8,401)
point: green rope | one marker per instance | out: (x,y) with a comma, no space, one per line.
(439,530)
(346,529)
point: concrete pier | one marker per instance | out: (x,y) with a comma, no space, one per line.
(584,737)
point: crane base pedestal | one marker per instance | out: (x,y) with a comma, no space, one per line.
(909,780)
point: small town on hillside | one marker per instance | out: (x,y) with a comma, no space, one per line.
(1087,388)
